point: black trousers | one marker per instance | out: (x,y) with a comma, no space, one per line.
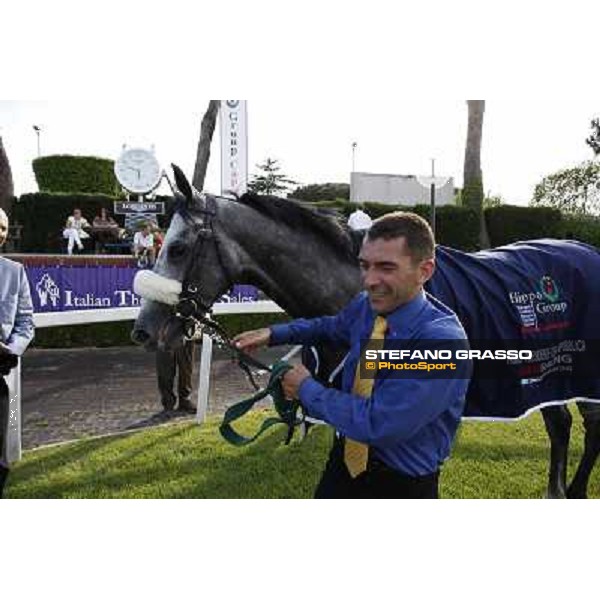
(167,364)
(378,481)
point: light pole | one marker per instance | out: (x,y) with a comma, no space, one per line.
(37,130)
(433,196)
(354,144)
(432,184)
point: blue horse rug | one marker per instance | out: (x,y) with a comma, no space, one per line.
(542,296)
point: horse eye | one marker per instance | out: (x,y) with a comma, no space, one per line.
(177,251)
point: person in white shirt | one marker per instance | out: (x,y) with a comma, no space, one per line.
(143,246)
(359,220)
(74,231)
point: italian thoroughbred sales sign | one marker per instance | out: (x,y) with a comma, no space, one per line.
(59,289)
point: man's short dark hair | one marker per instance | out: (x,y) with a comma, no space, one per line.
(420,242)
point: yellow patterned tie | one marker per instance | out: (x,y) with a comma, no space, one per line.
(356,454)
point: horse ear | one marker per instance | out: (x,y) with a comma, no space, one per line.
(183,185)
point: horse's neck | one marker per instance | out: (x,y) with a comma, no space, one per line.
(298,270)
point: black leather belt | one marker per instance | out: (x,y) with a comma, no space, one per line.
(377,466)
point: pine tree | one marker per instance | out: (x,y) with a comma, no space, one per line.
(594,140)
(269,181)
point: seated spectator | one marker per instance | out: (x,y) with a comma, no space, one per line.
(134,221)
(104,220)
(106,229)
(74,231)
(143,247)
(159,238)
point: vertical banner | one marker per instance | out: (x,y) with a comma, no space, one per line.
(234,147)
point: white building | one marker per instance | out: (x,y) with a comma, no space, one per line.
(407,190)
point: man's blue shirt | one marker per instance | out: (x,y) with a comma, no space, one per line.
(408,423)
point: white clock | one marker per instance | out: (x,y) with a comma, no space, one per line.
(137,170)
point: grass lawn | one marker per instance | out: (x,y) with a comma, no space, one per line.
(490,460)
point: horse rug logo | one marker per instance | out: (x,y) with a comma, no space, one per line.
(47,289)
(545,299)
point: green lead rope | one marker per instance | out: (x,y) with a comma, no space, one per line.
(286,410)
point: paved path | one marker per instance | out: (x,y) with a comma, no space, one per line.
(69,394)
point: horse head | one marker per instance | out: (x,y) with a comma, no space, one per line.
(190,274)
(300,258)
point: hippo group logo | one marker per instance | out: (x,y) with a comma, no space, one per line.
(47,290)
(549,288)
(545,299)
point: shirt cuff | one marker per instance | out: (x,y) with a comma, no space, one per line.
(308,393)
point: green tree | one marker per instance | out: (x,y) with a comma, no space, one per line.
(316,192)
(269,181)
(572,191)
(493,201)
(594,140)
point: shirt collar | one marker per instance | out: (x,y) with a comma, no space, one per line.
(404,319)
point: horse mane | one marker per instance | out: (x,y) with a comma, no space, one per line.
(298,216)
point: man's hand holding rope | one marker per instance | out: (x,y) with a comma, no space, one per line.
(292,381)
(250,341)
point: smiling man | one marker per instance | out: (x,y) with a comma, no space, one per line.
(16,332)
(393,434)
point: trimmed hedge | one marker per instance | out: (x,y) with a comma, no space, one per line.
(43,217)
(343,207)
(104,335)
(75,174)
(507,224)
(92,335)
(584,228)
(318,192)
(456,226)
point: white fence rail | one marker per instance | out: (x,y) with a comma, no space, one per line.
(108,315)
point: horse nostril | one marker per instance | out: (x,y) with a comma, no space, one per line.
(139,336)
